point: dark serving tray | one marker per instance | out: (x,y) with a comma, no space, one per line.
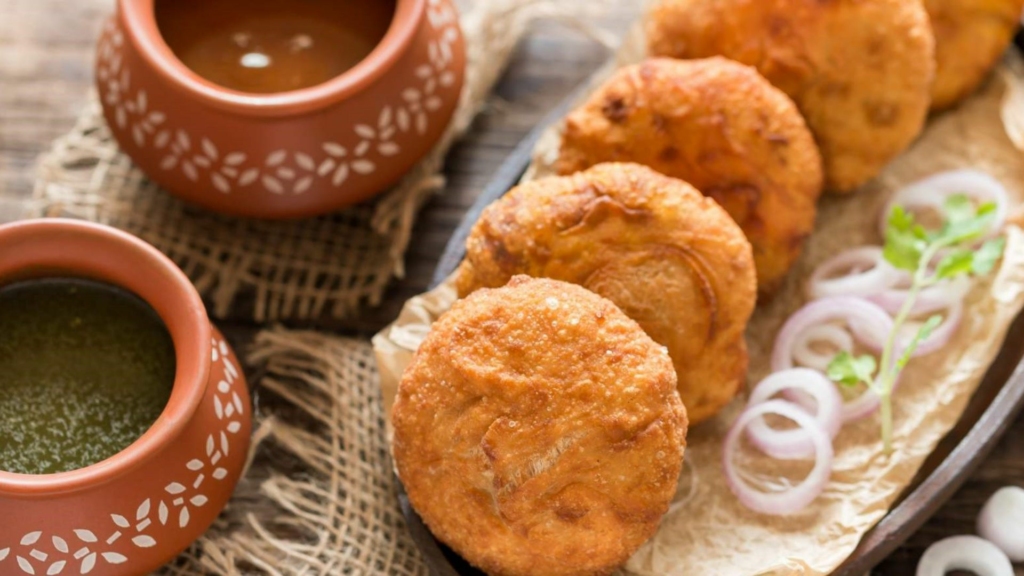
(997,402)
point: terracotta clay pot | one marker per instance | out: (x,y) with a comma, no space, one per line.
(135,511)
(290,154)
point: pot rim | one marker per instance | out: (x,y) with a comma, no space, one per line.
(141,29)
(83,249)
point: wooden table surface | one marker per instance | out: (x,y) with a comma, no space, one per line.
(46,69)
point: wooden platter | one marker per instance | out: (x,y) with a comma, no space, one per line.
(992,410)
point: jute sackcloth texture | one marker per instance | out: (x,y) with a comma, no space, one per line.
(319,496)
(299,270)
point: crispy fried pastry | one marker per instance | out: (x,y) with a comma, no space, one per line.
(860,71)
(670,258)
(970,35)
(538,431)
(723,128)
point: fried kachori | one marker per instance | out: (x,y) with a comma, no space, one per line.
(670,258)
(538,430)
(970,36)
(720,126)
(860,71)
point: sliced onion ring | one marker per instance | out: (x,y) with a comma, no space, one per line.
(861,407)
(862,271)
(797,497)
(932,192)
(969,553)
(1001,519)
(857,409)
(836,336)
(870,325)
(796,443)
(931,299)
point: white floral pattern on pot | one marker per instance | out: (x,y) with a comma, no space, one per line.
(281,171)
(170,507)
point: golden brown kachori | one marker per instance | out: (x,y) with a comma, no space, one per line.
(970,36)
(720,126)
(538,430)
(670,258)
(860,71)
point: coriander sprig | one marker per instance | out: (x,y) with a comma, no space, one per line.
(910,246)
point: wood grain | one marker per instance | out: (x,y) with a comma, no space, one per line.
(46,69)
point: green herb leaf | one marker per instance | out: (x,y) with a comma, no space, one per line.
(970,230)
(955,264)
(986,257)
(849,370)
(923,332)
(900,219)
(958,209)
(909,246)
(963,222)
(904,240)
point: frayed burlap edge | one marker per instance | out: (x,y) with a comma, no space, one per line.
(271,271)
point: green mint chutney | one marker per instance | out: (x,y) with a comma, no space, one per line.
(85,370)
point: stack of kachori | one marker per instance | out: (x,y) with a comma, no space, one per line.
(540,427)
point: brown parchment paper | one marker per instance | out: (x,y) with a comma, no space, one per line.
(708,531)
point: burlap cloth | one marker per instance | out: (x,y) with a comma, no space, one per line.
(300,270)
(319,497)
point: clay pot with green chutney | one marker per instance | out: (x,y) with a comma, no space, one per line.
(124,415)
